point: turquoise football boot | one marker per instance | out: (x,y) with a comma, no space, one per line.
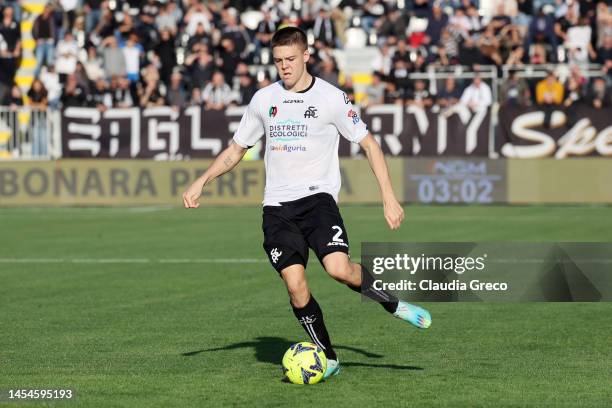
(333,368)
(414,315)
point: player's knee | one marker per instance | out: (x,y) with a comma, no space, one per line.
(340,270)
(298,293)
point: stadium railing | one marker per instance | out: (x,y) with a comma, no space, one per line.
(27,133)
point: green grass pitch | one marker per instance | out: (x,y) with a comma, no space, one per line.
(138,307)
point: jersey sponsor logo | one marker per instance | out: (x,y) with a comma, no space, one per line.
(311,112)
(287,131)
(313,188)
(288,148)
(346,98)
(352,114)
(275,254)
(293,101)
(272,111)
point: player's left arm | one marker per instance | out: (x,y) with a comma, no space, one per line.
(394,213)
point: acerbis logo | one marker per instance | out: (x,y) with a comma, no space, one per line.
(311,112)
(272,111)
(352,114)
(275,254)
(293,101)
(336,240)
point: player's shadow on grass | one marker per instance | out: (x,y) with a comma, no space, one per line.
(271,349)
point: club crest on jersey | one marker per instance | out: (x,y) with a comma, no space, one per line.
(353,114)
(311,112)
(273,111)
(346,98)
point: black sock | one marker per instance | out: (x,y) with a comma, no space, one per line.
(311,319)
(388,302)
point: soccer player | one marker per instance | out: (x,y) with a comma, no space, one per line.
(301,117)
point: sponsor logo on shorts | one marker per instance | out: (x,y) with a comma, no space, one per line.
(275,254)
(334,243)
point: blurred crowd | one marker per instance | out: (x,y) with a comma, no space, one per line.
(126,53)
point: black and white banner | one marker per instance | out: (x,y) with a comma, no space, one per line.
(167,134)
(576,131)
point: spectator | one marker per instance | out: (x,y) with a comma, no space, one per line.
(43,31)
(166,21)
(200,37)
(392,27)
(70,13)
(578,42)
(420,96)
(541,30)
(10,46)
(375,93)
(50,80)
(372,11)
(236,33)
(600,95)
(105,27)
(13,99)
(489,46)
(113,58)
(151,91)
(196,96)
(93,14)
(123,94)
(323,28)
(229,58)
(217,95)
(93,64)
(37,95)
(384,61)
(200,66)
(477,96)
(328,71)
(437,22)
(264,32)
(198,14)
(246,89)
(66,56)
(515,91)
(549,95)
(73,94)
(177,97)
(450,93)
(604,55)
(101,97)
(132,53)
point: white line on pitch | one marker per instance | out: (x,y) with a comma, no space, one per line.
(132,260)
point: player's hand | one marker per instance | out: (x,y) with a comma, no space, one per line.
(394,213)
(193,193)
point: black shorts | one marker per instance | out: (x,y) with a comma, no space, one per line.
(310,222)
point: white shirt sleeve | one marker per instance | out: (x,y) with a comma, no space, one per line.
(346,119)
(251,127)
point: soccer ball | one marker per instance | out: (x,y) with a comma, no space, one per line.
(304,363)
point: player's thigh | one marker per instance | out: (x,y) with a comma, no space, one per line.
(324,229)
(284,243)
(338,266)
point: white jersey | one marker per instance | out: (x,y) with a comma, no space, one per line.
(302,134)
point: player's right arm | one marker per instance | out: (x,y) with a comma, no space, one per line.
(224,162)
(249,132)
